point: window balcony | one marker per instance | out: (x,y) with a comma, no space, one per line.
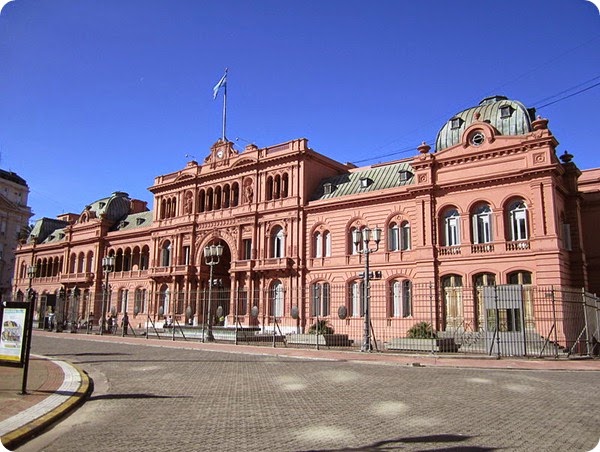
(479,248)
(242,265)
(80,277)
(518,245)
(275,263)
(129,274)
(449,250)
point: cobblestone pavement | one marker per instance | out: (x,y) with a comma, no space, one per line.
(164,398)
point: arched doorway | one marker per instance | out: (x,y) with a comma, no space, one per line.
(216,300)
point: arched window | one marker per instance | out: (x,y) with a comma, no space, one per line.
(145,258)
(123,297)
(89,266)
(277,187)
(201,201)
(284,185)
(394,237)
(235,194)
(481,220)
(165,259)
(277,242)
(226,196)
(127,260)
(318,245)
(327,240)
(320,300)
(217,198)
(401,298)
(517,221)
(356,302)
(405,236)
(119,260)
(453,301)
(164,299)
(277,297)
(520,277)
(269,188)
(139,300)
(451,224)
(80,263)
(353,247)
(481,280)
(209,199)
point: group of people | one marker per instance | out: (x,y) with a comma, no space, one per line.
(112,324)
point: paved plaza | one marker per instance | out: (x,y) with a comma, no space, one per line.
(165,396)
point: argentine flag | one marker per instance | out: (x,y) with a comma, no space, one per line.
(222,84)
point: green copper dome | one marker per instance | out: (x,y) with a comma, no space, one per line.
(508,117)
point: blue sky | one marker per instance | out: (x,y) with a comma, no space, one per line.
(102,96)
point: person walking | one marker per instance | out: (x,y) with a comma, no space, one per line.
(125,323)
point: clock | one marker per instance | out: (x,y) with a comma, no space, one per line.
(220,153)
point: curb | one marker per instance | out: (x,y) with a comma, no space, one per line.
(30,430)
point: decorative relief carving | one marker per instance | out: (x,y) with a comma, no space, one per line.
(423,178)
(539,158)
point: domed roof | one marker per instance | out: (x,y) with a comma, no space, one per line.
(509,117)
(113,208)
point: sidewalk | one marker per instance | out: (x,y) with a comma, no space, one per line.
(54,388)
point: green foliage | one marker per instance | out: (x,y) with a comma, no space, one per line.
(23,234)
(421,330)
(323,327)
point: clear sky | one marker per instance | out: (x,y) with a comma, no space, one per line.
(98,96)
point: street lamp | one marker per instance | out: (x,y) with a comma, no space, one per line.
(74,308)
(212,256)
(62,293)
(361,241)
(108,266)
(31,271)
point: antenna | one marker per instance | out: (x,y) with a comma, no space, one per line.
(190,156)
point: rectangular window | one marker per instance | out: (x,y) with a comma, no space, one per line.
(247,249)
(186,255)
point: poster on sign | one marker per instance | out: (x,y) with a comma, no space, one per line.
(13,322)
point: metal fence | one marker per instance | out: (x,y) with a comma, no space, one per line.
(504,320)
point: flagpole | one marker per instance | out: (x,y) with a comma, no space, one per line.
(224,110)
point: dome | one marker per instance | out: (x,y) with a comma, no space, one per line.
(113,208)
(508,117)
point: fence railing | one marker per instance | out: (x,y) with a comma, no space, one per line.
(506,320)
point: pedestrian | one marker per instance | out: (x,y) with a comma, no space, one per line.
(109,324)
(125,323)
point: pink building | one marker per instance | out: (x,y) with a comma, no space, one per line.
(490,204)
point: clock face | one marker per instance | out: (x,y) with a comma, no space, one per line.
(220,154)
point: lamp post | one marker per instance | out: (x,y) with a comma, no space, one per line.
(361,240)
(212,256)
(74,308)
(31,271)
(59,315)
(108,266)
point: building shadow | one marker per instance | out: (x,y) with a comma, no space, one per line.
(402,443)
